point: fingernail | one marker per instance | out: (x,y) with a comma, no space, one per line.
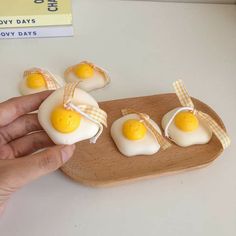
(67,152)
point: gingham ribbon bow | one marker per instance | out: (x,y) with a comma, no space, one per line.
(51,82)
(164,144)
(92,113)
(96,68)
(187,104)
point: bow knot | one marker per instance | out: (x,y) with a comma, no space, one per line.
(92,113)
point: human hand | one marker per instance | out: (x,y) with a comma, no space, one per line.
(20,136)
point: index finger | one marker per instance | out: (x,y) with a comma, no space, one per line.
(18,106)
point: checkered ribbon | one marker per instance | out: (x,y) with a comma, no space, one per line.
(51,82)
(164,144)
(96,68)
(186,102)
(92,113)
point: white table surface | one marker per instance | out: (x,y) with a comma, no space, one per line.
(145,47)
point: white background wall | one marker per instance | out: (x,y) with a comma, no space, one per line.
(144,46)
(193,1)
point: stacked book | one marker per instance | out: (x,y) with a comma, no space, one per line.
(35,18)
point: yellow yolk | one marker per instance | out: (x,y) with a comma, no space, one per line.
(134,129)
(84,71)
(186,121)
(65,121)
(35,81)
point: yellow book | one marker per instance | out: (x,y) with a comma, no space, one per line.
(33,13)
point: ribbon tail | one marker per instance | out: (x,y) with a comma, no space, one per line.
(215,128)
(164,144)
(182,94)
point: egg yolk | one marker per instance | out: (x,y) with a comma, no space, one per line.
(84,71)
(186,121)
(35,81)
(134,129)
(65,121)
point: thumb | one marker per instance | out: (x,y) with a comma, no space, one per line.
(26,169)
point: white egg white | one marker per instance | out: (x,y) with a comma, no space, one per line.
(89,84)
(146,146)
(201,135)
(25,90)
(87,128)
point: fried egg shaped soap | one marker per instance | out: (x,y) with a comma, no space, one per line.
(36,80)
(89,76)
(65,126)
(185,129)
(132,138)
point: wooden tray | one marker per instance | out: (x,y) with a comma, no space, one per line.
(101,164)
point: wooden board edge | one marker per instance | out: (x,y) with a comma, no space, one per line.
(105,184)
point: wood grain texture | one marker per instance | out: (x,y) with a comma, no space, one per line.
(101,164)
